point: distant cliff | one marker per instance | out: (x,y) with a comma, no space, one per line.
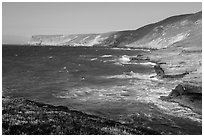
(70,40)
(158,35)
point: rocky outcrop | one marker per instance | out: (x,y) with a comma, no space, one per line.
(186,95)
(159,71)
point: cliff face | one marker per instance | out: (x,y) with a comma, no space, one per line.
(158,35)
(70,40)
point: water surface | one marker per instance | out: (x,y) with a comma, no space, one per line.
(100,81)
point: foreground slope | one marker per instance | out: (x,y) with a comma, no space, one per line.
(21,116)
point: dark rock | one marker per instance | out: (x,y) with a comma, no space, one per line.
(140,57)
(159,71)
(176,76)
(187,96)
(192,88)
(178,91)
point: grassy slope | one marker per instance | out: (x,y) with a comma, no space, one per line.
(21,116)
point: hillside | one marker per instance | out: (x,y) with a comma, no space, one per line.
(157,35)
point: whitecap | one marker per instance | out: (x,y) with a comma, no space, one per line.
(93,59)
(144,63)
(144,94)
(148,63)
(131,49)
(124,59)
(131,75)
(106,56)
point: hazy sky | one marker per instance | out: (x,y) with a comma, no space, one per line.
(22,20)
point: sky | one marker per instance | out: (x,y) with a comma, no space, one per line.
(22,20)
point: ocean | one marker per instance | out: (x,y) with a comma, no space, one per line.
(102,81)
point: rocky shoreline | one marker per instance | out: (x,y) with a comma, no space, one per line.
(186,92)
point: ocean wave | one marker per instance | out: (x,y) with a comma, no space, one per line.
(152,95)
(143,91)
(148,63)
(131,75)
(144,63)
(123,59)
(106,56)
(112,60)
(119,60)
(121,48)
(93,59)
(131,49)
